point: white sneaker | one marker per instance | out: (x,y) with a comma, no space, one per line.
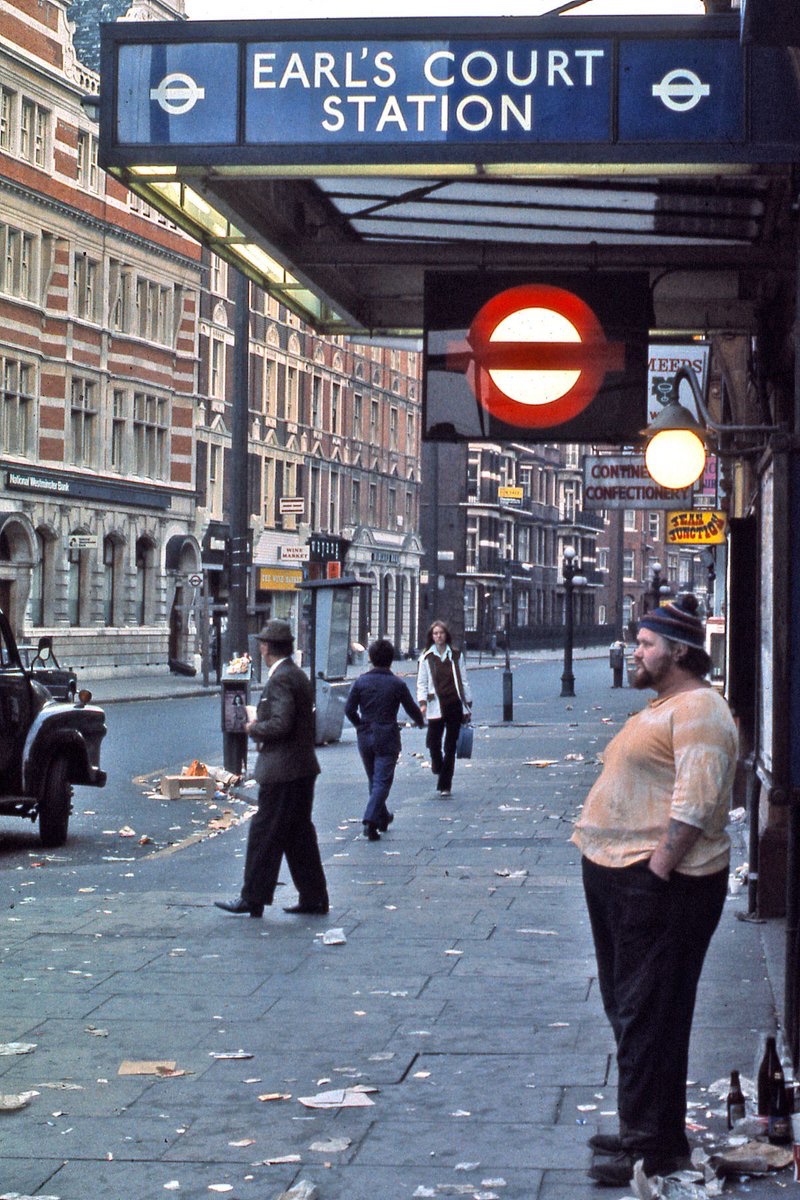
(444,793)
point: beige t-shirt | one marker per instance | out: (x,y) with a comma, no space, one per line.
(674,759)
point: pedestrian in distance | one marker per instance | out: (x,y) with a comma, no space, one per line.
(655,871)
(444,696)
(372,706)
(286,771)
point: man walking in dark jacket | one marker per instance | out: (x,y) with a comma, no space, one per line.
(372,706)
(286,770)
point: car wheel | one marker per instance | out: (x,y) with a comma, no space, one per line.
(55,804)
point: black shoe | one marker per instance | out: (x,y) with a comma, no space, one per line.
(616,1170)
(384,824)
(371,832)
(240,907)
(605,1143)
(310,910)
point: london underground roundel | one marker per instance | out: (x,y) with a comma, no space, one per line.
(537,356)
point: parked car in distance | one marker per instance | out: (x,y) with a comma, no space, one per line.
(46,745)
(40,661)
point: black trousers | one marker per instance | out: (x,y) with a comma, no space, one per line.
(651,939)
(283,826)
(443,760)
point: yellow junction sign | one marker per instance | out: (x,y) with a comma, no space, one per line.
(698,527)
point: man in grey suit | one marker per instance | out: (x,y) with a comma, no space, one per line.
(286,769)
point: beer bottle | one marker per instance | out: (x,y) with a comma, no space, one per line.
(735,1102)
(769,1063)
(779,1125)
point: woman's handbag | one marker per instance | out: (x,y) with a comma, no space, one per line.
(466,736)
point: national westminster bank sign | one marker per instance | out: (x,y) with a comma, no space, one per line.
(305,94)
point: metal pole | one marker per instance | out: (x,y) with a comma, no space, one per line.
(568,677)
(235,744)
(508,678)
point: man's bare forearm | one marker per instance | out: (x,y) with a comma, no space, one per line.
(673,848)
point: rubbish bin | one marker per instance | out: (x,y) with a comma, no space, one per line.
(331,696)
(616,659)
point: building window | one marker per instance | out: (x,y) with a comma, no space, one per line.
(8,104)
(629,520)
(522,598)
(470,608)
(83,422)
(268,492)
(217,378)
(391,511)
(654,525)
(218,276)
(316,400)
(313,500)
(374,422)
(85,293)
(215,462)
(88,169)
(336,402)
(628,564)
(333,502)
(292,392)
(270,377)
(150,426)
(34,133)
(355,501)
(393,418)
(568,503)
(118,426)
(411,433)
(18,263)
(16,415)
(358,404)
(372,508)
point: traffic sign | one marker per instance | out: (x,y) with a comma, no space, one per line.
(195,580)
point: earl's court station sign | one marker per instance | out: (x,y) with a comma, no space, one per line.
(396,176)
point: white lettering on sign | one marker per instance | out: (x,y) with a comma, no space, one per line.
(354,84)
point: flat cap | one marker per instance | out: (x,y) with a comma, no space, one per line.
(276,630)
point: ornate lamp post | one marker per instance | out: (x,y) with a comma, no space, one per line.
(508,679)
(658,587)
(572,579)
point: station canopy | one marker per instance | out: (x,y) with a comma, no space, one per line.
(341,162)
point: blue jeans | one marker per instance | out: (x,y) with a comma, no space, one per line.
(651,939)
(379,747)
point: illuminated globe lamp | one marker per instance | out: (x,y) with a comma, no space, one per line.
(675,454)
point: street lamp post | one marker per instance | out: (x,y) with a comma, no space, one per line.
(572,579)
(508,679)
(655,586)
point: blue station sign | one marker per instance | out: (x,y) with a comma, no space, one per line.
(321,92)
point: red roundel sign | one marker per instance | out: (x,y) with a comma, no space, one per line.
(537,356)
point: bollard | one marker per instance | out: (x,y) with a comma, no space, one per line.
(616,658)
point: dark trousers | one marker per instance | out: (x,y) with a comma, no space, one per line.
(283,826)
(379,756)
(443,760)
(651,938)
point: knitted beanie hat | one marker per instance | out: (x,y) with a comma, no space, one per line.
(678,621)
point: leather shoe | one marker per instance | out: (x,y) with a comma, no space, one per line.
(605,1143)
(239,906)
(310,910)
(384,824)
(616,1170)
(371,832)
